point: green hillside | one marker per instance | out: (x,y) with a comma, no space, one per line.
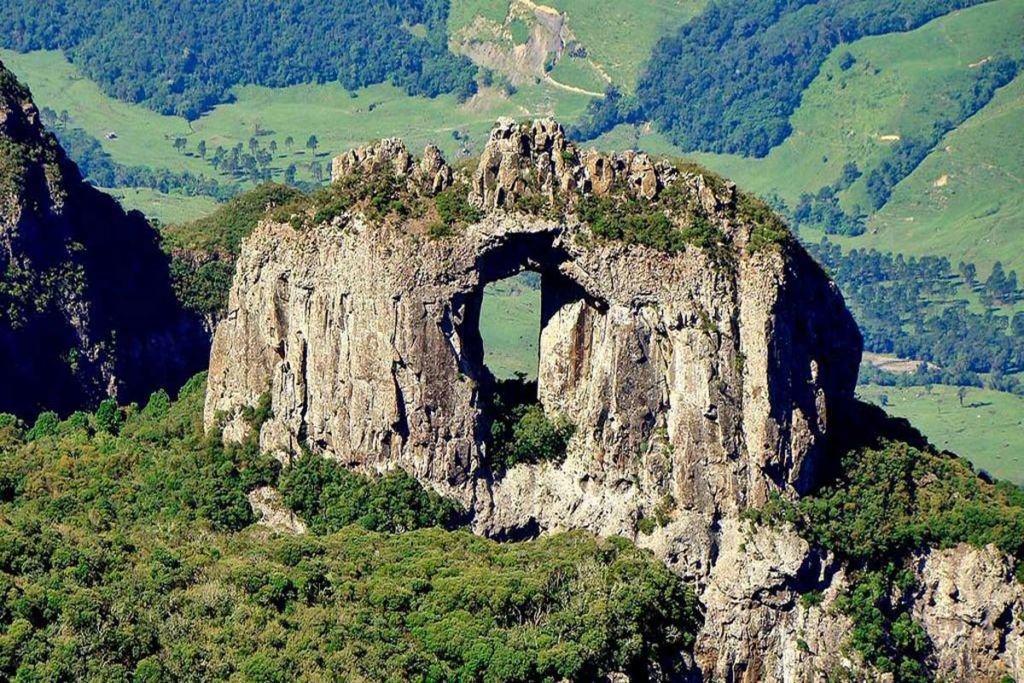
(339,119)
(966,197)
(988,429)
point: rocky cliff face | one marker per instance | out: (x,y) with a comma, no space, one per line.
(86,308)
(700,381)
(687,377)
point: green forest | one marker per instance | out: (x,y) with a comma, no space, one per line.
(127,553)
(123,46)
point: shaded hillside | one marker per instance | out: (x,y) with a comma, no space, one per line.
(87,307)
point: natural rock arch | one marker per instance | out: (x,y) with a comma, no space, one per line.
(706,383)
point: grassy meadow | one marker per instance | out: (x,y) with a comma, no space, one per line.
(988,429)
(510,327)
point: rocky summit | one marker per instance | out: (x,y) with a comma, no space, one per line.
(703,376)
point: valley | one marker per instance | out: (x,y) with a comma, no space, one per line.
(960,202)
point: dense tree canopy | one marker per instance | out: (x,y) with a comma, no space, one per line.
(896,302)
(184,57)
(127,554)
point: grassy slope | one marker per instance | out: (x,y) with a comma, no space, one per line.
(965,199)
(844,115)
(988,430)
(510,327)
(339,120)
(898,86)
(620,35)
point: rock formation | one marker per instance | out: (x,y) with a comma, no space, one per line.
(700,380)
(707,382)
(86,306)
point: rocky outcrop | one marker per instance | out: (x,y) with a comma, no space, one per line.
(267,504)
(687,378)
(972,608)
(755,627)
(86,306)
(537,159)
(431,174)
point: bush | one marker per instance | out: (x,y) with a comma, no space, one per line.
(454,208)
(329,497)
(47,424)
(520,430)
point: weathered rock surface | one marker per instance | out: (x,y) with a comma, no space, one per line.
(686,377)
(86,306)
(699,385)
(755,628)
(266,502)
(972,608)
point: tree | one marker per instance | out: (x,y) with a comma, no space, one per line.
(289,174)
(201,148)
(312,143)
(273,146)
(254,145)
(961,394)
(64,118)
(179,144)
(109,417)
(289,142)
(970,273)
(996,282)
(316,170)
(1010,288)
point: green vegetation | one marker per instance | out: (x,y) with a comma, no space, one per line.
(221,232)
(964,200)
(520,430)
(893,499)
(203,252)
(520,31)
(987,429)
(329,498)
(619,36)
(675,220)
(124,47)
(130,556)
(908,307)
(720,84)
(887,500)
(160,207)
(340,119)
(454,210)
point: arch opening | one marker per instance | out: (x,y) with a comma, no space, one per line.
(520,288)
